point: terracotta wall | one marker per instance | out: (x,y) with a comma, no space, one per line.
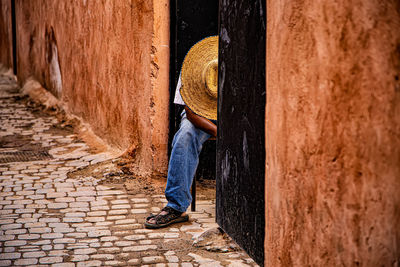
(333,133)
(108,61)
(5,33)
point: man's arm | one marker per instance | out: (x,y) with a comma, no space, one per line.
(201,123)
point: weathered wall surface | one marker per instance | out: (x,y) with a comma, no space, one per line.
(333,133)
(106,60)
(5,33)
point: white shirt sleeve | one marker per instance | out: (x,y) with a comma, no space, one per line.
(178,98)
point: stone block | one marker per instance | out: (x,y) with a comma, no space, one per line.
(23,262)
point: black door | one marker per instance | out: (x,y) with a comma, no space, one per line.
(241,120)
(191,21)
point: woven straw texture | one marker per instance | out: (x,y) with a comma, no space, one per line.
(199,88)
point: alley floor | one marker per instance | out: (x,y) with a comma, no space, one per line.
(53,212)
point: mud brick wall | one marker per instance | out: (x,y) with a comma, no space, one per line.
(332,133)
(108,61)
(5,34)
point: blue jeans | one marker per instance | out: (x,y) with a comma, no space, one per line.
(186,148)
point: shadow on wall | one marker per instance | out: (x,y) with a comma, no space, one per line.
(53,79)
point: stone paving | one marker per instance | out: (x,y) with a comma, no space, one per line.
(49,219)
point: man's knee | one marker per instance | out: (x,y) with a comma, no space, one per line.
(186,135)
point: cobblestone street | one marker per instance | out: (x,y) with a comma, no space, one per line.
(48,218)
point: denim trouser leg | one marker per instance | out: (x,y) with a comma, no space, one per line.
(186,148)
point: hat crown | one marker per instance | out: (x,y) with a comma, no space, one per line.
(210,78)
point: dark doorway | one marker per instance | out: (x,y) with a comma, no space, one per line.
(191,21)
(240,150)
(241,120)
(14,36)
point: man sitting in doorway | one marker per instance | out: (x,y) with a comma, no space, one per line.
(197,90)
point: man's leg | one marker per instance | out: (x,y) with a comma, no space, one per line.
(186,148)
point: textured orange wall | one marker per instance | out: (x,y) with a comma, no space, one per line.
(5,33)
(333,133)
(99,58)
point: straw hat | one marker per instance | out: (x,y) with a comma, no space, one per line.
(199,78)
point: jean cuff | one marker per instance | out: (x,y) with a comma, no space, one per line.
(175,207)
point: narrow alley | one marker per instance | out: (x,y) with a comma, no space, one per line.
(54,213)
(282,118)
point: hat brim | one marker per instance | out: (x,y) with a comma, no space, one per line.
(193,90)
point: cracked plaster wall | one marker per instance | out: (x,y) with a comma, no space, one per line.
(99,58)
(333,133)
